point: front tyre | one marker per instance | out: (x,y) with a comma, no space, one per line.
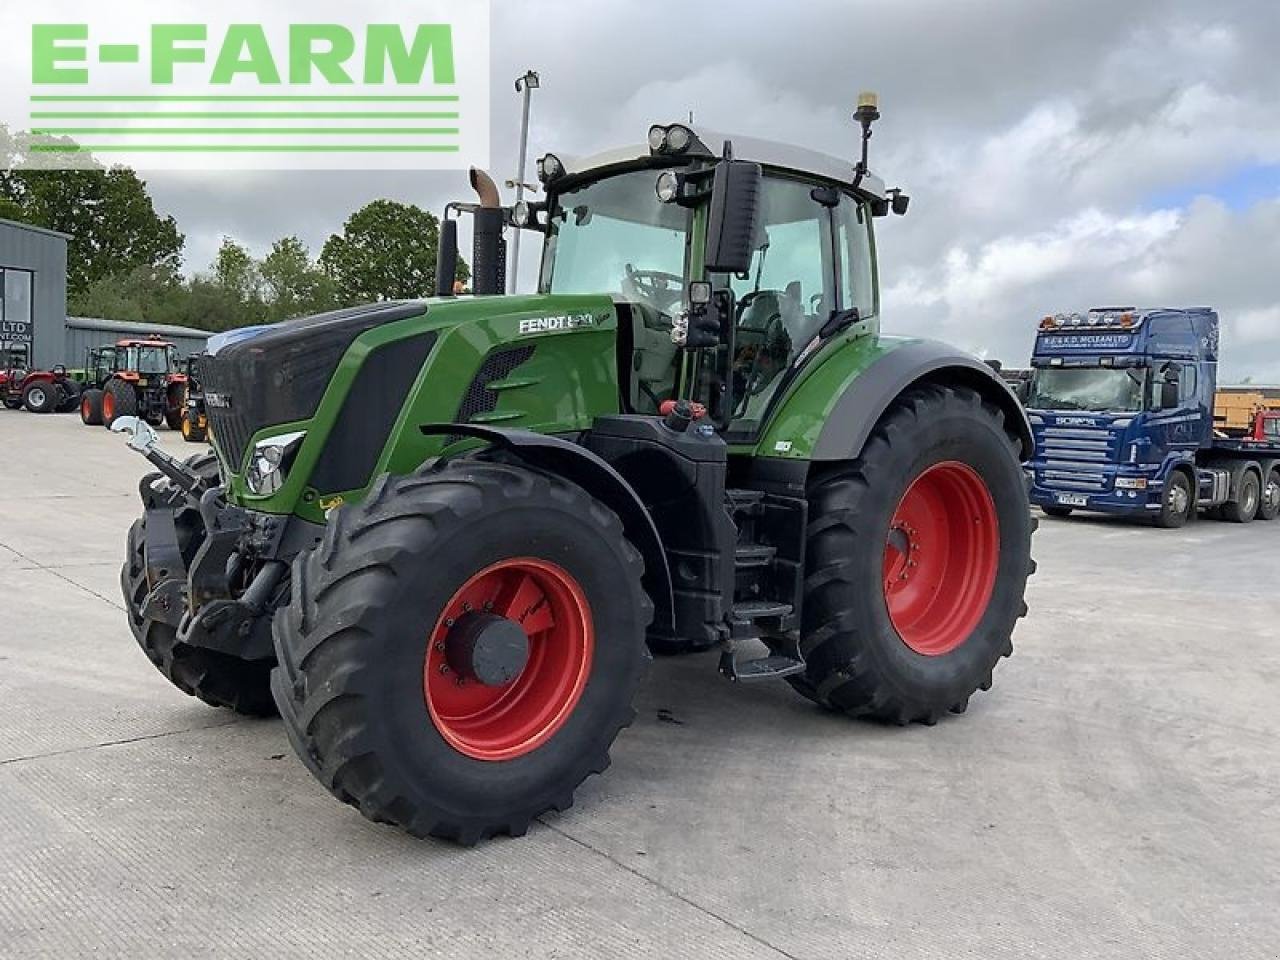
(1176,503)
(463,647)
(40,397)
(219,679)
(917,560)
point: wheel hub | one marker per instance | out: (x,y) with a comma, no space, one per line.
(486,648)
(941,556)
(508,659)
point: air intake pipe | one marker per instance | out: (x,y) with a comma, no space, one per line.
(489,249)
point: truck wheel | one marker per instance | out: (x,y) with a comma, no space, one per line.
(1059,513)
(462,649)
(1244,508)
(1269,506)
(1176,503)
(40,398)
(118,400)
(91,407)
(917,560)
(219,679)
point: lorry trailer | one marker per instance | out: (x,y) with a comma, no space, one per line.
(1122,408)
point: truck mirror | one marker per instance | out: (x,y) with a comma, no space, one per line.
(733,221)
(1168,394)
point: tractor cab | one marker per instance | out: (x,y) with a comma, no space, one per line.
(731,261)
(147,358)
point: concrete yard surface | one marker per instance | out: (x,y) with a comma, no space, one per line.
(1116,794)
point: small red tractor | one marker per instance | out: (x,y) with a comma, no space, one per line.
(40,391)
(134,378)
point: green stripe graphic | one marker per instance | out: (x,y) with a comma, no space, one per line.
(240,115)
(272,131)
(246,148)
(170,98)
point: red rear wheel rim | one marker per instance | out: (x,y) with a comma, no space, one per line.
(509,721)
(84,409)
(108,406)
(940,558)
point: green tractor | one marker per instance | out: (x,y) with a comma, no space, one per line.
(442,537)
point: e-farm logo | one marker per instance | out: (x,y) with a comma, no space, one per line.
(247,85)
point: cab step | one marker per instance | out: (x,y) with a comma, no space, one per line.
(780,663)
(750,555)
(751,610)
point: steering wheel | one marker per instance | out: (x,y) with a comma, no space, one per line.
(767,357)
(657,287)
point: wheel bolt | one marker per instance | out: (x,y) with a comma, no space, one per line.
(459,681)
(440,648)
(488,605)
(448,621)
(444,668)
(466,607)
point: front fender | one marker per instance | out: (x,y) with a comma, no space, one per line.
(830,414)
(598,478)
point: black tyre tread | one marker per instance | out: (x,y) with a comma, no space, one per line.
(93,396)
(321,643)
(834,514)
(126,400)
(1166,519)
(1233,511)
(50,393)
(1268,513)
(218,679)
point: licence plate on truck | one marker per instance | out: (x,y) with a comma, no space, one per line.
(1073,500)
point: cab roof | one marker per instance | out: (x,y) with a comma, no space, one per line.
(710,144)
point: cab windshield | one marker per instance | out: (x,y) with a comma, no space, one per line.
(151,359)
(614,236)
(1087,388)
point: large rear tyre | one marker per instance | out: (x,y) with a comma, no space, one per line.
(1244,508)
(1269,506)
(118,400)
(1177,503)
(91,407)
(461,650)
(917,560)
(40,397)
(219,679)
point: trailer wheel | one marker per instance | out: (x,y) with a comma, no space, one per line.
(91,407)
(191,432)
(462,648)
(40,397)
(1058,513)
(917,560)
(1176,503)
(1244,508)
(1269,506)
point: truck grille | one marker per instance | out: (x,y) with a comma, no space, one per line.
(1076,458)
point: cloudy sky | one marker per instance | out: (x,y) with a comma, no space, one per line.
(1059,155)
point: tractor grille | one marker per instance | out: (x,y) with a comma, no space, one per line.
(479,398)
(1077,458)
(278,374)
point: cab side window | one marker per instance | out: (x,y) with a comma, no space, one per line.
(853,247)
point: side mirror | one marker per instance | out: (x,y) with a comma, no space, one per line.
(733,223)
(1168,394)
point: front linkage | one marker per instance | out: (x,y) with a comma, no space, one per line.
(205,570)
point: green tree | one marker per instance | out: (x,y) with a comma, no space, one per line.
(109,214)
(386,251)
(293,285)
(148,294)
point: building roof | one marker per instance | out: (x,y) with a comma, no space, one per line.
(769,153)
(32,228)
(128,329)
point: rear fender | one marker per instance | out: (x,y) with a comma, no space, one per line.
(867,399)
(598,478)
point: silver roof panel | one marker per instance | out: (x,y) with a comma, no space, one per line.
(769,153)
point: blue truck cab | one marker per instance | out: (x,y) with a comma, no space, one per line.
(1121,406)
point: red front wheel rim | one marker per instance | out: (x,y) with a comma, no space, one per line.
(508,721)
(941,557)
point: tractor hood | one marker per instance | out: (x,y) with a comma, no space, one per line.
(257,378)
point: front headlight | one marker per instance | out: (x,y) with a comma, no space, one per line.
(270,462)
(1131,483)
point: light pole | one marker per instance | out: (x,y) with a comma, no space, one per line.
(526,85)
